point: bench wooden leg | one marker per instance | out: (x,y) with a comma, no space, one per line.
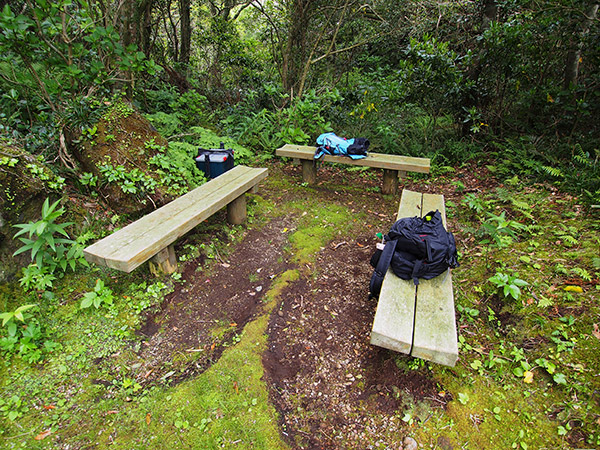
(164,261)
(390,181)
(236,210)
(309,171)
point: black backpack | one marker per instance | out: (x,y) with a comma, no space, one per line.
(416,247)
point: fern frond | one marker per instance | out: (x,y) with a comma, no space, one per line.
(553,171)
(581,273)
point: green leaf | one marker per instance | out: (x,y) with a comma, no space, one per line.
(6,317)
(560,378)
(12,328)
(515,292)
(88,299)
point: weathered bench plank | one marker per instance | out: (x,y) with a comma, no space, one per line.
(417,320)
(435,324)
(394,320)
(134,244)
(392,165)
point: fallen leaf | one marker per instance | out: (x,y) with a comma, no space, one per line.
(573,289)
(43,434)
(148,418)
(528,376)
(596,331)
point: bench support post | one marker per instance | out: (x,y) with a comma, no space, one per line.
(309,171)
(236,210)
(164,261)
(390,181)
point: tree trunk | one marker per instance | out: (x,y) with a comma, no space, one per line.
(490,13)
(135,24)
(186,31)
(575,52)
(295,52)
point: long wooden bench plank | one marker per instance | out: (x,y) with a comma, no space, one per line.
(435,336)
(134,244)
(376,160)
(394,318)
(420,320)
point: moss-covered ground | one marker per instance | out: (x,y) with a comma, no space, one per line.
(529,358)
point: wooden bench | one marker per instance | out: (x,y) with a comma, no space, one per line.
(417,320)
(153,235)
(393,165)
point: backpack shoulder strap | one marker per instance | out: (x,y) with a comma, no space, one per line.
(382,267)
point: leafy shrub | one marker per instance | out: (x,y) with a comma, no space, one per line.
(166,124)
(191,108)
(49,251)
(508,284)
(176,167)
(101,295)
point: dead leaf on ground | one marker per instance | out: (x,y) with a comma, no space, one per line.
(43,435)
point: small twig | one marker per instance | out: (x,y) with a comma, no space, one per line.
(339,245)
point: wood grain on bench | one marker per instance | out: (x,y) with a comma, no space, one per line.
(418,320)
(139,241)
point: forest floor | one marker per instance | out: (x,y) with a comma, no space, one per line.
(263,341)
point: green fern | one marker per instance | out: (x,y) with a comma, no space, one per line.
(545,302)
(553,171)
(582,273)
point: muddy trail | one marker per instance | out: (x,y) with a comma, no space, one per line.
(332,389)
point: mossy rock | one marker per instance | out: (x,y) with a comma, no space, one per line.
(122,138)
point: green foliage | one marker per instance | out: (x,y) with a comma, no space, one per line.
(166,124)
(500,230)
(53,55)
(191,108)
(101,295)
(10,318)
(509,284)
(298,123)
(48,249)
(132,181)
(176,168)
(24,335)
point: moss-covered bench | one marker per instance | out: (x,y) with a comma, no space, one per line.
(393,165)
(153,235)
(417,320)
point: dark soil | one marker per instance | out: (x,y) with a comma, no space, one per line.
(332,388)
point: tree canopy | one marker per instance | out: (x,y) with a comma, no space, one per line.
(444,79)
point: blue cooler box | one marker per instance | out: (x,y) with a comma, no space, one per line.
(214,162)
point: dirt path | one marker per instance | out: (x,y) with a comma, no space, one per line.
(333,390)
(209,309)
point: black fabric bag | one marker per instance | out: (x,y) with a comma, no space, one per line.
(359,147)
(416,247)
